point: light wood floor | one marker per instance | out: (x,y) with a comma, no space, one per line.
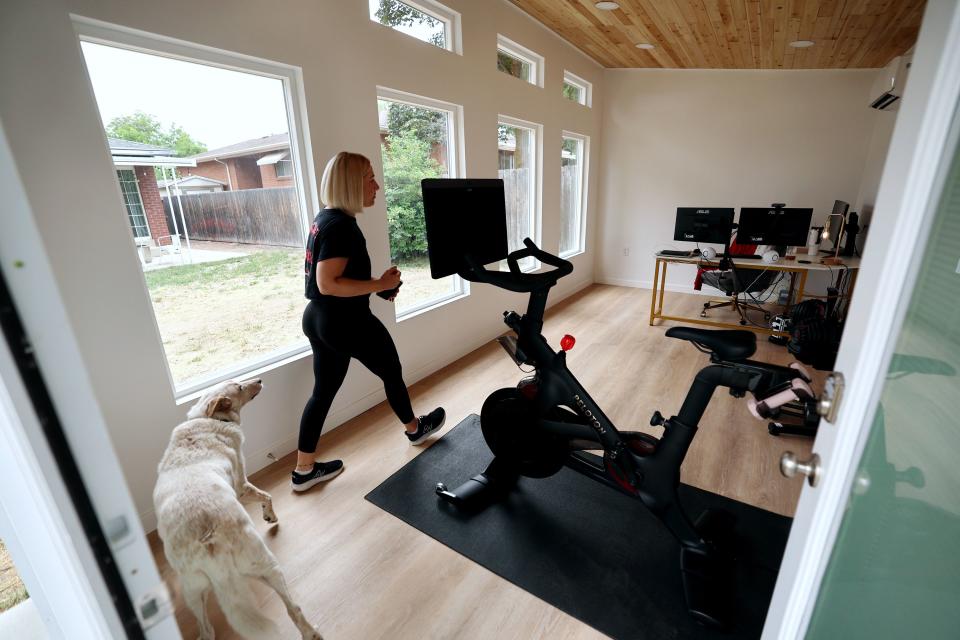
(360,574)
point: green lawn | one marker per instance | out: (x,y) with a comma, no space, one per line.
(215,315)
(12,589)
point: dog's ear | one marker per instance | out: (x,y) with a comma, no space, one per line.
(217,405)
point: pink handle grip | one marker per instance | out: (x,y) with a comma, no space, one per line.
(803,372)
(763,409)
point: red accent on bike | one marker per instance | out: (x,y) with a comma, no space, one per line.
(567,342)
(614,473)
(529,390)
(641,447)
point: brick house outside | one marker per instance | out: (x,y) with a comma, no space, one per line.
(135,162)
(259,163)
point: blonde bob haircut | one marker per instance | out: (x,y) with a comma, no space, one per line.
(342,184)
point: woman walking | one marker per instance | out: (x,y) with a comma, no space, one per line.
(338,321)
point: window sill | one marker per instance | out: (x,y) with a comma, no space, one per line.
(273,361)
(572,254)
(532,83)
(436,305)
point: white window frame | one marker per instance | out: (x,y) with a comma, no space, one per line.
(98,32)
(584,181)
(537,185)
(585,86)
(456,164)
(286,162)
(452,23)
(516,50)
(143,210)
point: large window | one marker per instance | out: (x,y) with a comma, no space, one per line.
(519,167)
(221,252)
(425,20)
(518,61)
(418,139)
(573,192)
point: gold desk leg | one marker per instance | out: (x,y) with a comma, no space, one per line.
(802,285)
(653,294)
(663,286)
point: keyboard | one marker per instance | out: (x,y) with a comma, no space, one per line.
(750,257)
(678,254)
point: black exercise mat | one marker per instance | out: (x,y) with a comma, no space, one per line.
(592,552)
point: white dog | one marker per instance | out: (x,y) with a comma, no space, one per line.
(208,537)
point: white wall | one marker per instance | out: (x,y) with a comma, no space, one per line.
(47,107)
(873,169)
(721,138)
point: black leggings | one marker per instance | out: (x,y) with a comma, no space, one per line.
(335,340)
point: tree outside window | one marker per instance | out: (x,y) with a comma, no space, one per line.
(415,145)
(409,20)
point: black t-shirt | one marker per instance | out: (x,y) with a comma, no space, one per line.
(336,234)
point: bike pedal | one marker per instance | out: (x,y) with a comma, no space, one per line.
(717,526)
(708,585)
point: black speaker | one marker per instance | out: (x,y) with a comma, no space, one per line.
(851,230)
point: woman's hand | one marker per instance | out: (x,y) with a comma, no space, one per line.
(390,279)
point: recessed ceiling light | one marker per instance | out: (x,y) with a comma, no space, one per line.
(646,45)
(802,44)
(607,6)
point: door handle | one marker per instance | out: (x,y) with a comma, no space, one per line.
(829,404)
(790,467)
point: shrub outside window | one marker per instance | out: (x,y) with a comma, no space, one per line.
(577,89)
(514,66)
(425,20)
(518,61)
(418,139)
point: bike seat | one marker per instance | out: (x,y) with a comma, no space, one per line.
(727,345)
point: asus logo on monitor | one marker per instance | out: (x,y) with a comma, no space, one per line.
(756,238)
(703,210)
(688,236)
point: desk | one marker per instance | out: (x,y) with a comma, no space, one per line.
(798,280)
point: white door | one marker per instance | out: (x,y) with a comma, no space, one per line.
(920,154)
(63,495)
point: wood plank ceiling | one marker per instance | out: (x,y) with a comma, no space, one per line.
(735,34)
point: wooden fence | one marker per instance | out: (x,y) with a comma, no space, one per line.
(248,216)
(570,208)
(517,189)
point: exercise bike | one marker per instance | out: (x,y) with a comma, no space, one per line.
(549,421)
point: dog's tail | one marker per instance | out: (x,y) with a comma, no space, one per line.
(236,601)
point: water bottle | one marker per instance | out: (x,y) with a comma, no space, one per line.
(813,242)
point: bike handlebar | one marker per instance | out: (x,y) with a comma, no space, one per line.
(516,280)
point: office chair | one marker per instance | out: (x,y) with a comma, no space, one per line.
(736,283)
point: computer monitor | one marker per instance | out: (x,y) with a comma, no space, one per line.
(704,224)
(779,226)
(835,224)
(463,217)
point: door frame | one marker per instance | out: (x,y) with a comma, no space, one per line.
(918,158)
(56,433)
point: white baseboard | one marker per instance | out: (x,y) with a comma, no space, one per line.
(648,284)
